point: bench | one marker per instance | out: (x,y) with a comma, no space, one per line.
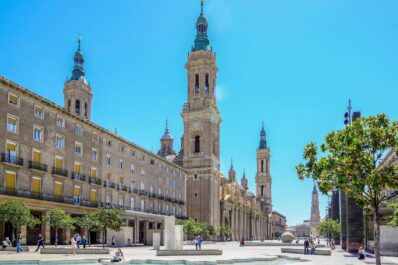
(189,252)
(14,249)
(321,252)
(94,251)
(276,244)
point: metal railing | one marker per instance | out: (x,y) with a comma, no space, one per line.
(109,184)
(12,159)
(96,181)
(78,176)
(38,166)
(59,171)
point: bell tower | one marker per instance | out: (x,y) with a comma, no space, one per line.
(202,121)
(263,176)
(77,91)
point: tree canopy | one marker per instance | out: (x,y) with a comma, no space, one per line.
(57,218)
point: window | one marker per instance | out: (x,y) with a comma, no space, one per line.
(37,133)
(160,191)
(121,200)
(58,189)
(109,143)
(207,83)
(132,168)
(60,121)
(196,83)
(39,111)
(36,185)
(59,141)
(79,129)
(121,179)
(132,203)
(121,164)
(85,109)
(197,144)
(151,189)
(142,205)
(59,162)
(108,159)
(93,172)
(196,195)
(77,168)
(174,184)
(94,154)
(78,148)
(77,191)
(69,104)
(262,165)
(108,176)
(36,156)
(142,172)
(12,123)
(10,180)
(152,162)
(132,153)
(94,137)
(262,190)
(122,148)
(93,195)
(13,99)
(167,182)
(195,176)
(142,186)
(77,107)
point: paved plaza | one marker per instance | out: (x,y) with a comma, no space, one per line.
(231,251)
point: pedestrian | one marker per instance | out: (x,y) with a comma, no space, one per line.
(78,240)
(113,241)
(200,242)
(19,242)
(312,244)
(118,256)
(73,245)
(242,242)
(84,241)
(332,244)
(40,242)
(196,241)
(306,246)
(361,253)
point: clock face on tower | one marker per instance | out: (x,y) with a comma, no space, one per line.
(196,126)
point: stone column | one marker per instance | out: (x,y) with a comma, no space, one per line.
(24,231)
(231,214)
(136,231)
(47,231)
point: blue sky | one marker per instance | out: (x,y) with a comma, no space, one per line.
(293,64)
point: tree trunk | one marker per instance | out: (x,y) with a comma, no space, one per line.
(15,235)
(56,237)
(377,235)
(103,238)
(89,238)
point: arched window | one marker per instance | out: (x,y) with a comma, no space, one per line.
(196,83)
(77,107)
(69,104)
(85,109)
(207,83)
(197,144)
(262,190)
(262,165)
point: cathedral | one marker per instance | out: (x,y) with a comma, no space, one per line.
(56,157)
(213,197)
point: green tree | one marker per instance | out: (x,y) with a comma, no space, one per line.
(224,231)
(350,160)
(109,218)
(191,228)
(57,218)
(91,222)
(207,230)
(393,220)
(329,228)
(17,214)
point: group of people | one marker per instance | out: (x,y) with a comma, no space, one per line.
(198,242)
(309,246)
(17,243)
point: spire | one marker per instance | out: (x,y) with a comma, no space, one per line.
(201,40)
(231,169)
(78,66)
(314,190)
(244,181)
(166,131)
(263,138)
(232,173)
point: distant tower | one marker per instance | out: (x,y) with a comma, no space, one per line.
(244,181)
(315,216)
(77,91)
(263,176)
(232,173)
(202,121)
(166,143)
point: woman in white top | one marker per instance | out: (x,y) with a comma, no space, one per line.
(73,245)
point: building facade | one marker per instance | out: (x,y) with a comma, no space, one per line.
(278,224)
(55,157)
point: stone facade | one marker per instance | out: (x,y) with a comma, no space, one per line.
(278,223)
(54,157)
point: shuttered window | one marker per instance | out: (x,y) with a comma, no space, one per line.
(93,172)
(36,185)
(77,168)
(93,195)
(36,156)
(59,162)
(58,189)
(10,180)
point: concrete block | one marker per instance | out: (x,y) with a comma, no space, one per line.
(322,252)
(156,241)
(178,237)
(59,250)
(189,252)
(169,227)
(121,238)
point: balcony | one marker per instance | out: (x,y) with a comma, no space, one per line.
(109,184)
(78,176)
(143,192)
(95,181)
(12,159)
(133,190)
(38,166)
(120,186)
(59,172)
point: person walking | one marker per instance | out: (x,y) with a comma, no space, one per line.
(306,246)
(200,242)
(196,241)
(40,242)
(361,253)
(113,241)
(19,242)
(73,245)
(78,240)
(84,241)
(312,250)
